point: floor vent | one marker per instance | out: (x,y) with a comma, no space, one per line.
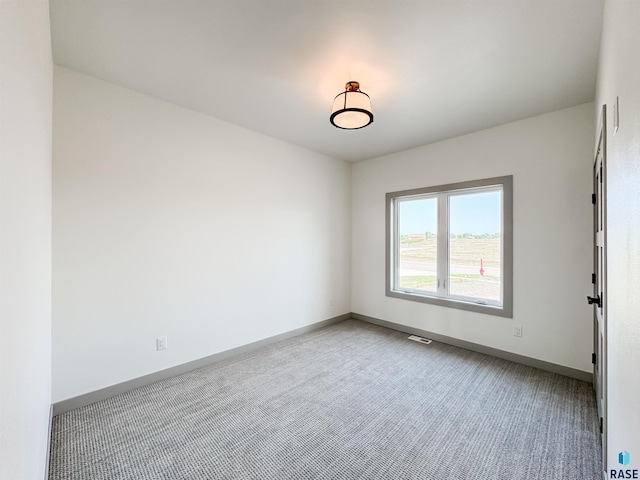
(416,338)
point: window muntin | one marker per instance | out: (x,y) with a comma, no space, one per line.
(451,245)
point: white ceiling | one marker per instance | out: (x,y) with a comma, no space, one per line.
(434,69)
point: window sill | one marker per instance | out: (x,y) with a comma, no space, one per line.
(471,306)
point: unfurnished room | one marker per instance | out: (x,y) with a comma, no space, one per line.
(312,239)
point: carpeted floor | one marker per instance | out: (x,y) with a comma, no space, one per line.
(350,401)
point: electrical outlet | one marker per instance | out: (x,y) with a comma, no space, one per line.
(161,343)
(331,302)
(517,330)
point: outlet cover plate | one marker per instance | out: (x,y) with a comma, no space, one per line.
(161,343)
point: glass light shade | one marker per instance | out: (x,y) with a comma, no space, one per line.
(351,108)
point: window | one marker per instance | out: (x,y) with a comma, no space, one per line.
(451,245)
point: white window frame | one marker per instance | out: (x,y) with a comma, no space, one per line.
(441,296)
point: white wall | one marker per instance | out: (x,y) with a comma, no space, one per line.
(619,75)
(169,222)
(550,159)
(25,238)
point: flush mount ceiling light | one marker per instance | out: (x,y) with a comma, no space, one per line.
(351,108)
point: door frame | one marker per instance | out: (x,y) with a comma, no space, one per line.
(600,284)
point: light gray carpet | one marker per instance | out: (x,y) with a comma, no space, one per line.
(350,401)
